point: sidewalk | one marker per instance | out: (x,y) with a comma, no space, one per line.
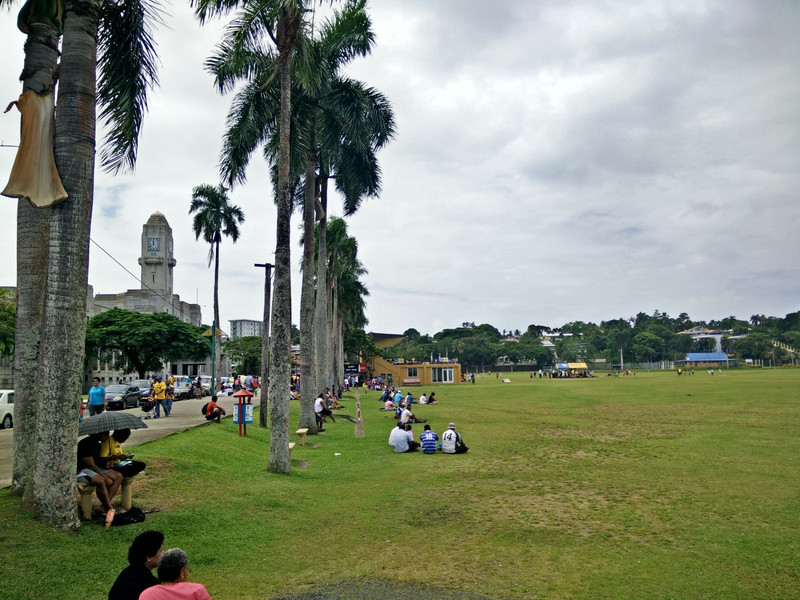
(185,415)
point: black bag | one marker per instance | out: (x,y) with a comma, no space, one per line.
(204,409)
(134,515)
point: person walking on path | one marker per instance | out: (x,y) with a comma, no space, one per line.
(97,398)
(160,396)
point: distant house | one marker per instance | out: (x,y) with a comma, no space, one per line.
(705,360)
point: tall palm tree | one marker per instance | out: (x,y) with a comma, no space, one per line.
(58,237)
(215,216)
(282,22)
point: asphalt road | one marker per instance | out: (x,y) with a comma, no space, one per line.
(185,414)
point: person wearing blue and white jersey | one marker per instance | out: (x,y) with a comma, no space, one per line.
(428,439)
(452,442)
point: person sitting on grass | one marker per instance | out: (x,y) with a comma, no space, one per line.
(432,398)
(428,439)
(388,405)
(173,573)
(452,442)
(402,440)
(214,412)
(111,448)
(92,469)
(143,557)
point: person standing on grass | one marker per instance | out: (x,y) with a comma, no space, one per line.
(428,439)
(452,442)
(97,398)
(143,557)
(173,573)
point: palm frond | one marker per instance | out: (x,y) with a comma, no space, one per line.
(128,69)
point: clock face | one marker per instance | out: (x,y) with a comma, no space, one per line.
(154,244)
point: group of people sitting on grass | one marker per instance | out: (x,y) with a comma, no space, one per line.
(136,581)
(402,440)
(392,397)
(103,463)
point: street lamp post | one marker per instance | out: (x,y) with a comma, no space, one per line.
(264,403)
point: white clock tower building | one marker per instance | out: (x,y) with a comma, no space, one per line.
(156,259)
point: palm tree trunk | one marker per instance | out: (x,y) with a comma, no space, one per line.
(64,325)
(307,353)
(321,314)
(33,236)
(280,376)
(330,355)
(215,325)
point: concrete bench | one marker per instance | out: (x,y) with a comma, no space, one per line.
(86,491)
(291,447)
(301,435)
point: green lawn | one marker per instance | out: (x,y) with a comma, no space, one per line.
(647,486)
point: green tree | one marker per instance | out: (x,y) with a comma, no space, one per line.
(215,216)
(53,261)
(8,318)
(245,352)
(142,342)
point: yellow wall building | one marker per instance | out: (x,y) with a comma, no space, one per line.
(416,373)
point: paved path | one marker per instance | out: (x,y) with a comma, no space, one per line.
(185,414)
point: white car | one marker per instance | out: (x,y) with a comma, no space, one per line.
(6,409)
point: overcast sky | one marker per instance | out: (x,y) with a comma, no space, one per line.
(555,161)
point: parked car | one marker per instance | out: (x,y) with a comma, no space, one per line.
(6,409)
(183,390)
(119,396)
(144,387)
(206,381)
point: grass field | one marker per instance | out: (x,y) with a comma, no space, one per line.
(647,486)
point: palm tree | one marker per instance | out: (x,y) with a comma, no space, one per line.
(51,374)
(282,21)
(214,216)
(318,93)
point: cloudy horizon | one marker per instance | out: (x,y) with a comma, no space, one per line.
(554,162)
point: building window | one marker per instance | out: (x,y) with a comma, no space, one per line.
(442,374)
(412,372)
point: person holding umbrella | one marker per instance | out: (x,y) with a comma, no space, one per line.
(91,467)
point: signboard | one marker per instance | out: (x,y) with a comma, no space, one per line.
(352,369)
(248,413)
(411,380)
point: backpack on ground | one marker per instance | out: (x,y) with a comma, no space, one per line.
(134,515)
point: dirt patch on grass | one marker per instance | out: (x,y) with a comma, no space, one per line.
(367,589)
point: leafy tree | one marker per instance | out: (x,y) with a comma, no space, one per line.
(142,342)
(246,353)
(756,345)
(8,318)
(214,216)
(475,351)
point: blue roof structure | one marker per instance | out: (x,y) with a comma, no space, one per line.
(706,356)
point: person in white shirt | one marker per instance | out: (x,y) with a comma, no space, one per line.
(452,442)
(402,440)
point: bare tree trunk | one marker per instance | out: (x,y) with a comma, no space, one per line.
(33,236)
(64,326)
(265,345)
(307,352)
(280,377)
(330,354)
(321,314)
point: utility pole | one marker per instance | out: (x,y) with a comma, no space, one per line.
(264,388)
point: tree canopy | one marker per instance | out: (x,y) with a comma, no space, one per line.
(140,342)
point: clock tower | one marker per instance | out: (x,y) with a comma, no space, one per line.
(156,259)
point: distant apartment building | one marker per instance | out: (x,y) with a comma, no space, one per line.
(245,328)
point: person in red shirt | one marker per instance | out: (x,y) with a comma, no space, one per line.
(214,412)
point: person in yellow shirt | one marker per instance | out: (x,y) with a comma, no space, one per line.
(160,396)
(111,449)
(170,393)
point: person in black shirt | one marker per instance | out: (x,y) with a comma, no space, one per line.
(95,470)
(143,556)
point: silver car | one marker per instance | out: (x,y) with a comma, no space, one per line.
(6,409)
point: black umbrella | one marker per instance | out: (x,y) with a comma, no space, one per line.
(108,421)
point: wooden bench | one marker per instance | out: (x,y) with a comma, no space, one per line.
(291,447)
(301,435)
(86,491)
